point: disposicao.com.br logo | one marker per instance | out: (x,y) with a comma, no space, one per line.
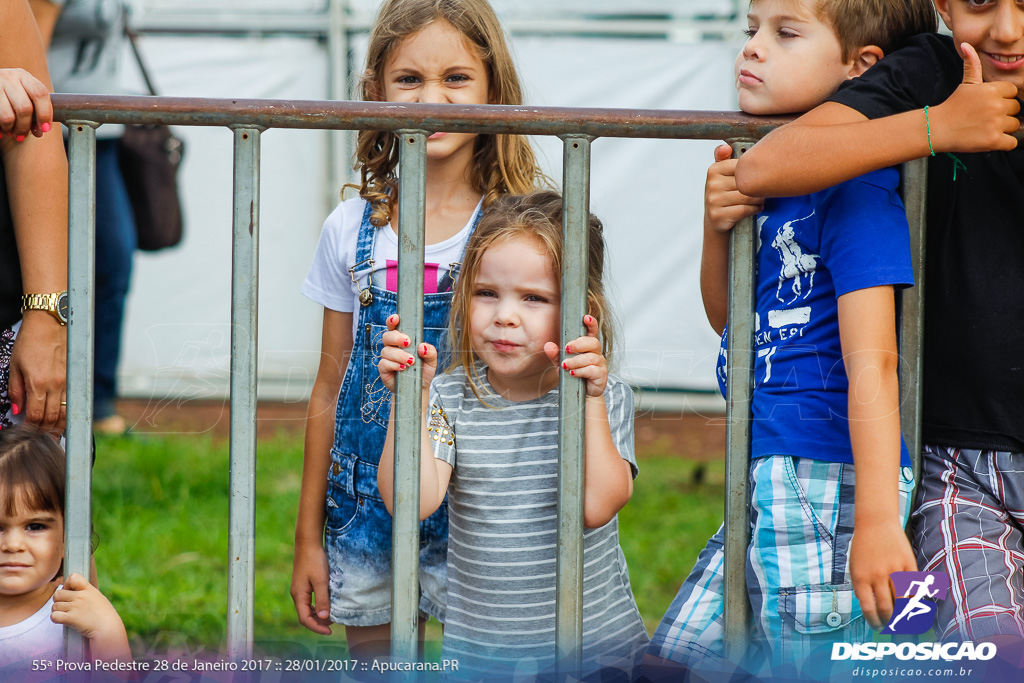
(913,614)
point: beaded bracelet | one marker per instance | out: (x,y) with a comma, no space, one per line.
(928,127)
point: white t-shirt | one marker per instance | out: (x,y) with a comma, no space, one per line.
(34,638)
(329,283)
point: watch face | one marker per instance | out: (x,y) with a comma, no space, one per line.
(62,307)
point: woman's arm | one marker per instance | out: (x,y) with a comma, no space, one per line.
(867,330)
(309,588)
(46,14)
(37,180)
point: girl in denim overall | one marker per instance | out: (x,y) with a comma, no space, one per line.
(434,51)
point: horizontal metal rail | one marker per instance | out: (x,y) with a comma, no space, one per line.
(452,118)
(577,127)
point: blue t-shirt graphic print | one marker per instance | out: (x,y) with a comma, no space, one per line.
(811,250)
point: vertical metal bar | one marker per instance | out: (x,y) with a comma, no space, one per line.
(405,541)
(244,298)
(911,326)
(81,331)
(739,389)
(340,141)
(572,394)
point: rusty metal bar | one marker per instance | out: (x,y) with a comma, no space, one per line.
(572,394)
(405,535)
(244,299)
(560,121)
(81,335)
(911,323)
(739,391)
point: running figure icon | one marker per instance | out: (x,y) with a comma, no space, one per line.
(914,606)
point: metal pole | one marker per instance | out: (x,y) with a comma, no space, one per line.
(244,298)
(339,167)
(571,406)
(911,324)
(739,388)
(405,541)
(81,331)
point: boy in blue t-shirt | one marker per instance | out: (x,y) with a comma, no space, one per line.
(826,397)
(960,95)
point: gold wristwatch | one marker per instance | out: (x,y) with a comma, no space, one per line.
(56,304)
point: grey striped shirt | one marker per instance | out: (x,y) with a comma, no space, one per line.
(502,504)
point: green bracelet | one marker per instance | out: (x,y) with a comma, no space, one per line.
(928,127)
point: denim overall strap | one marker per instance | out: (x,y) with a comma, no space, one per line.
(364,404)
(472,229)
(354,436)
(366,239)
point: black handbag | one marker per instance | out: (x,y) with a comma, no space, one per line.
(149,155)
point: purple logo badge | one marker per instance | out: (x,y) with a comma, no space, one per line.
(916,595)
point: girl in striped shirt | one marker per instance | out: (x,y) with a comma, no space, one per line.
(491,445)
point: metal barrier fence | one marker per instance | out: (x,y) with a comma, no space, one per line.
(413,122)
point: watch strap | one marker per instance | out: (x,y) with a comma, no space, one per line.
(44,302)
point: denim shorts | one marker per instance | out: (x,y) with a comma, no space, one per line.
(359,549)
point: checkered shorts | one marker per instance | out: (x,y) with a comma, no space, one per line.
(797,569)
(969,523)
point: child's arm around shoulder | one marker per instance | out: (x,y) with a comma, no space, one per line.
(724,207)
(84,608)
(608,477)
(834,143)
(867,331)
(434,473)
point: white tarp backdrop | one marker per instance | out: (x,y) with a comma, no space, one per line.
(648,193)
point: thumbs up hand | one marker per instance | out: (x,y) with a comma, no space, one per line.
(978,116)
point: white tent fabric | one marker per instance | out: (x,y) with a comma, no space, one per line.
(507,8)
(649,194)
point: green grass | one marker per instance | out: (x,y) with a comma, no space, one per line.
(161,522)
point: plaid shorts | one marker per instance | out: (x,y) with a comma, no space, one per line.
(797,569)
(969,523)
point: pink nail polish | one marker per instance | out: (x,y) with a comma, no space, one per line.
(589,320)
(405,343)
(423,350)
(572,372)
(15,409)
(45,128)
(20,138)
(568,349)
(411,361)
(565,366)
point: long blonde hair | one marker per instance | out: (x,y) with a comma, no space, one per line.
(501,163)
(537,215)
